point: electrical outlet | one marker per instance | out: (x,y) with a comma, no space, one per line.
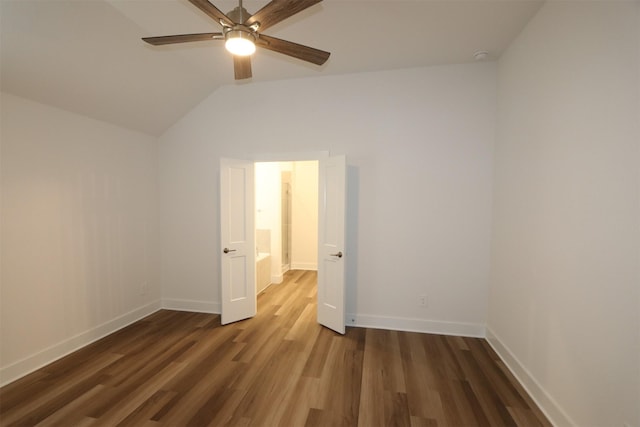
(422,301)
(144,288)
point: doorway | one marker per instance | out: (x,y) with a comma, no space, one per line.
(286,219)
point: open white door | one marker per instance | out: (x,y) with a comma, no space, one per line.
(237,238)
(331,243)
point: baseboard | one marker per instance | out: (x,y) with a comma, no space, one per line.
(545,402)
(263,288)
(191,305)
(304,266)
(36,361)
(416,325)
(277,278)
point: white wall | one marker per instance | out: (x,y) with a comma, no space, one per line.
(419,150)
(304,216)
(79,207)
(564,300)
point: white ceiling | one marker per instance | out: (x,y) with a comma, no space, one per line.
(86,56)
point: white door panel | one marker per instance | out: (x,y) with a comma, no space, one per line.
(237,237)
(331,243)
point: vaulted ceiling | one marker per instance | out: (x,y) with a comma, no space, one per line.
(86,56)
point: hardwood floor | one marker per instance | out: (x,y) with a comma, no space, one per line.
(279,368)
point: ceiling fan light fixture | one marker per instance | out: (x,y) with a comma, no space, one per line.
(240,42)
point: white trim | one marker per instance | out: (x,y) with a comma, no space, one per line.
(304,266)
(263,289)
(276,279)
(476,330)
(191,305)
(290,157)
(540,396)
(57,351)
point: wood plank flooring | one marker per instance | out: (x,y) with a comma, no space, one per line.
(278,369)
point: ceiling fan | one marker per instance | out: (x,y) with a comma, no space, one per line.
(242,32)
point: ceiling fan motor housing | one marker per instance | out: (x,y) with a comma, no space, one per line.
(239,30)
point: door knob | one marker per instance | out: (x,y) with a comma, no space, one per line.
(227,250)
(339,254)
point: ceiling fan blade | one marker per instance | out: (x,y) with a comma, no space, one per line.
(242,67)
(212,11)
(278,10)
(309,54)
(182,38)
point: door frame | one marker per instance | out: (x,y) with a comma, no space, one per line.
(289,157)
